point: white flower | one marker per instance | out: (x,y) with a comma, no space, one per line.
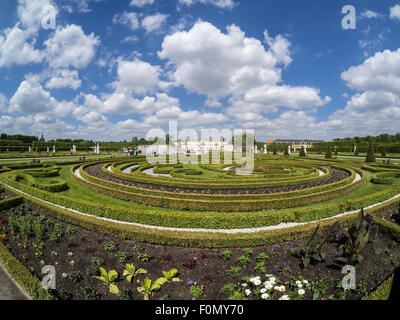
(285,297)
(269,275)
(282,289)
(265,296)
(247,292)
(300,285)
(268,286)
(257,282)
(305,281)
(301,292)
(277,288)
(272,279)
(252,280)
(244,285)
(263,290)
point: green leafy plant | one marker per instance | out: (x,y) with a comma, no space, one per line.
(196,290)
(171,275)
(122,256)
(357,240)
(228,289)
(75,276)
(110,246)
(319,287)
(259,267)
(70,230)
(247,252)
(234,271)
(98,261)
(262,257)
(226,255)
(109,278)
(144,257)
(91,294)
(148,287)
(132,271)
(243,260)
(312,252)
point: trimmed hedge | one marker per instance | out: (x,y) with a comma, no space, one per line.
(222,205)
(382,292)
(22,275)
(10,202)
(180,219)
(194,239)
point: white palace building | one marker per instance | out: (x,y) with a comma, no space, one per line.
(196,147)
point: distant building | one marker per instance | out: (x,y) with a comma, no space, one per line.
(296,143)
(196,147)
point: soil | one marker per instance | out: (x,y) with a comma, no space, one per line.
(381,257)
(336,175)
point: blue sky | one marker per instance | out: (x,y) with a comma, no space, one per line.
(111,70)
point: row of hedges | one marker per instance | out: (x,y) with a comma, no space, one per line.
(180,219)
(53,186)
(213,184)
(144,191)
(198,239)
(176,203)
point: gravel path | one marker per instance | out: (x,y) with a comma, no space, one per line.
(151,173)
(222,231)
(336,175)
(9,289)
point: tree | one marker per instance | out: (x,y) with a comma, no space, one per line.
(286,151)
(383,152)
(356,153)
(302,152)
(329,154)
(371,154)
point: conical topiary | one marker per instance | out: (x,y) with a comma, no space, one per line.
(302,152)
(286,152)
(383,153)
(356,153)
(328,154)
(371,154)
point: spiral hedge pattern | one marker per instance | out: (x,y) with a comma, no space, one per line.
(208,197)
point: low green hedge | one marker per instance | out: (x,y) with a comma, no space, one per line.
(224,205)
(193,172)
(182,219)
(10,202)
(22,275)
(384,181)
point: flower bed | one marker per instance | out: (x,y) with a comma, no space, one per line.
(266,272)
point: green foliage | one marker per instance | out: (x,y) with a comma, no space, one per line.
(110,246)
(132,271)
(302,152)
(98,261)
(259,267)
(109,278)
(91,294)
(328,154)
(228,289)
(312,252)
(193,172)
(243,261)
(171,275)
(319,287)
(196,290)
(70,230)
(75,276)
(234,271)
(226,255)
(122,256)
(148,287)
(357,240)
(371,154)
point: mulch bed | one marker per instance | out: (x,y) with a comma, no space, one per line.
(381,257)
(336,175)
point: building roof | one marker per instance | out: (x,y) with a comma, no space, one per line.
(270,141)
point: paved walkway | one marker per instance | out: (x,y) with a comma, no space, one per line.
(8,288)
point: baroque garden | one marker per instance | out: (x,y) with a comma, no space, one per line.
(120,228)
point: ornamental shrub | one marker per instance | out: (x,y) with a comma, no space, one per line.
(329,154)
(371,154)
(302,152)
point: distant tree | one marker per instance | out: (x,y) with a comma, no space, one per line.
(302,152)
(357,153)
(383,152)
(328,154)
(286,153)
(371,154)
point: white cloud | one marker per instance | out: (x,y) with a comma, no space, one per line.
(64,78)
(3,103)
(130,39)
(210,62)
(32,99)
(17,44)
(280,47)
(137,77)
(223,4)
(369,14)
(129,19)
(70,47)
(380,72)
(395,12)
(154,22)
(141,3)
